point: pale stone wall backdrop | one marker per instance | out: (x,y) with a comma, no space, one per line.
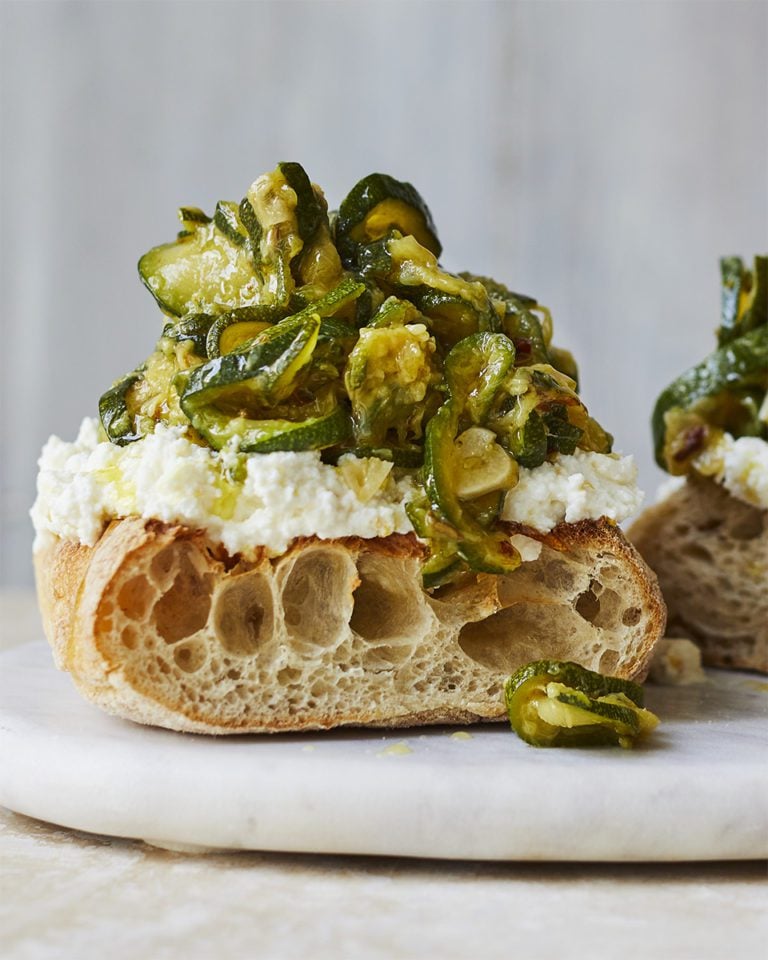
(601,155)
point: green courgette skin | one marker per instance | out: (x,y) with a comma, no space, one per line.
(727,390)
(368,193)
(735,279)
(612,708)
(310,213)
(739,366)
(194,328)
(474,371)
(273,436)
(117,420)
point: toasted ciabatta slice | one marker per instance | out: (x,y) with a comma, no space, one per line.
(710,552)
(157,624)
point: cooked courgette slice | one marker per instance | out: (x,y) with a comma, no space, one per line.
(727,390)
(374,207)
(118,421)
(483,550)
(389,379)
(475,369)
(542,414)
(282,214)
(231,330)
(326,428)
(254,378)
(744,298)
(227,219)
(193,328)
(720,390)
(203,271)
(395,312)
(191,218)
(310,209)
(556,703)
(450,316)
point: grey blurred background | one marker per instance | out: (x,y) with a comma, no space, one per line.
(600,155)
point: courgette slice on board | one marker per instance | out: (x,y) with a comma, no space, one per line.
(554,703)
(374,207)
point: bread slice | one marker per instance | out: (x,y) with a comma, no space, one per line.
(159,625)
(710,552)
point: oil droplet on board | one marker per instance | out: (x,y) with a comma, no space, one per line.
(399,749)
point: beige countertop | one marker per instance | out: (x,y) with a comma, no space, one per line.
(66,894)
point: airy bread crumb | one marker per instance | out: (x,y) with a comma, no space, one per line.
(159,625)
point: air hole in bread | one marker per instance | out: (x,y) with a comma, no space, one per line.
(184,607)
(162,566)
(608,662)
(695,551)
(587,605)
(631,616)
(190,656)
(387,604)
(129,637)
(749,526)
(709,524)
(288,676)
(316,596)
(136,597)
(610,607)
(523,632)
(243,615)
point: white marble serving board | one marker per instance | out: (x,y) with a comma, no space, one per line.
(697,790)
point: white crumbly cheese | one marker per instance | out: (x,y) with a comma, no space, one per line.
(277,497)
(676,662)
(580,486)
(282,496)
(740,465)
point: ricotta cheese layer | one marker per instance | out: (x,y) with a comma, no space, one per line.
(579,486)
(270,499)
(740,465)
